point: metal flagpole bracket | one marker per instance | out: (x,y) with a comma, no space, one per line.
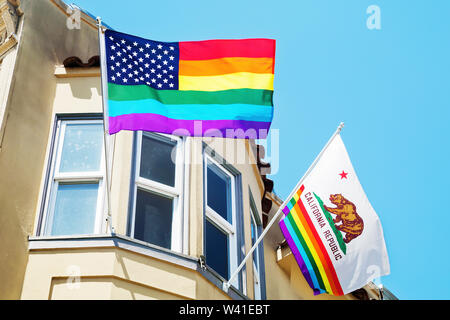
(99,24)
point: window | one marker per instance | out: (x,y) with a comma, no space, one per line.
(75,196)
(156,215)
(220,236)
(255,232)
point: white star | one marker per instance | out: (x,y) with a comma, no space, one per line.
(147,45)
(111,38)
(165,62)
(130,66)
(146,65)
(171,48)
(141,49)
(152,70)
(140,59)
(158,66)
(171,68)
(113,47)
(159,76)
(135,62)
(171,85)
(124,70)
(164,71)
(171,57)
(141,78)
(128,48)
(153,80)
(135,43)
(119,53)
(165,80)
(113,78)
(112,67)
(124,80)
(159,56)
(112,58)
(165,52)
(124,59)
(147,55)
(159,85)
(136,80)
(171,76)
(134,53)
(123,41)
(153,51)
(130,75)
(159,46)
(147,75)
(117,63)
(118,74)
(135,72)
(153,61)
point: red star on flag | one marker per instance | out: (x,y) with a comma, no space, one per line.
(343,175)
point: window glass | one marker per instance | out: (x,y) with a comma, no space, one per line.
(75,209)
(82,150)
(216,249)
(153,221)
(219,192)
(156,160)
(254,238)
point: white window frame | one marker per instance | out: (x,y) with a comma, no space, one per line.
(216,219)
(160,189)
(256,266)
(58,178)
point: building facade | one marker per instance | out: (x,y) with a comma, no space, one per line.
(184,210)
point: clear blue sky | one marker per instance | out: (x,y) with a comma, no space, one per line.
(391,87)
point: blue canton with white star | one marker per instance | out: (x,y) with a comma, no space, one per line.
(132,60)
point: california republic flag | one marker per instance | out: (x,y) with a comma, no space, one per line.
(331,228)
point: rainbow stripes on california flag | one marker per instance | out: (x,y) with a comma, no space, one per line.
(331,228)
(195,88)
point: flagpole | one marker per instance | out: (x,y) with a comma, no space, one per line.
(227,284)
(104,82)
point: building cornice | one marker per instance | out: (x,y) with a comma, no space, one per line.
(115,241)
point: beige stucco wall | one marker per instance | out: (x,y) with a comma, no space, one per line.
(44,43)
(110,273)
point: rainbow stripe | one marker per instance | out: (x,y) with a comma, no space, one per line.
(308,248)
(190,87)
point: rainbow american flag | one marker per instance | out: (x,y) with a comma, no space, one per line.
(194,88)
